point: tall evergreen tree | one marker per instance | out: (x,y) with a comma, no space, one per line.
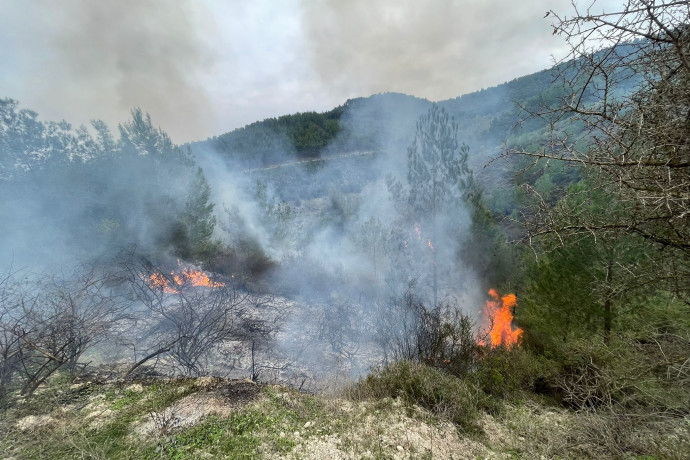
(197,217)
(438,177)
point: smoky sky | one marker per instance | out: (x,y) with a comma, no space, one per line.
(202,68)
(436,50)
(80,59)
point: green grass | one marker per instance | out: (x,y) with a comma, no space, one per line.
(266,427)
(69,436)
(269,425)
(379,414)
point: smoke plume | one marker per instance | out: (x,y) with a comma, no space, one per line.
(99,59)
(434,50)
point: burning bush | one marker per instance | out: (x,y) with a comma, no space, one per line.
(498,316)
(190,317)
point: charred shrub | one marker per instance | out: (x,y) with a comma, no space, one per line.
(246,262)
(441,337)
(446,340)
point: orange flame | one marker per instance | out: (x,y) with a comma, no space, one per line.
(418,231)
(500,316)
(157,280)
(188,276)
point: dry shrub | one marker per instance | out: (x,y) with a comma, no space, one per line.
(606,435)
(586,379)
(164,421)
(629,376)
(246,262)
(443,337)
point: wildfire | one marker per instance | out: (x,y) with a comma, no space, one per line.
(187,276)
(418,231)
(499,314)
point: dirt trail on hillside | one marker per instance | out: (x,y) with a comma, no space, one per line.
(310,160)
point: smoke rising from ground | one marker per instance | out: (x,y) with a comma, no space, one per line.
(206,67)
(342,252)
(322,239)
(333,205)
(327,234)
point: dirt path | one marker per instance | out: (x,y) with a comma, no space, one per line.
(311,160)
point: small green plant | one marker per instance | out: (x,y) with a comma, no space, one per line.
(128,397)
(506,372)
(430,388)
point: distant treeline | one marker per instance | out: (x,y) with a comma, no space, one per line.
(359,124)
(264,142)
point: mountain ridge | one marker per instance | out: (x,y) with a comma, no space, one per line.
(486,117)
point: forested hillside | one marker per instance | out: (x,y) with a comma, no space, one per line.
(383,122)
(519,253)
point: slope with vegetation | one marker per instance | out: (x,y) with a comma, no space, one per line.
(592,185)
(405,411)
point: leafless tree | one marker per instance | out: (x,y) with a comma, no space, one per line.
(188,324)
(255,340)
(625,119)
(47,323)
(11,319)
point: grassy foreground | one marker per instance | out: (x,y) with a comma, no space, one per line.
(404,411)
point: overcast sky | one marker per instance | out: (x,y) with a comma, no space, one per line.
(202,68)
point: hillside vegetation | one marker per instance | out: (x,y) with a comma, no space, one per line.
(501,275)
(407,411)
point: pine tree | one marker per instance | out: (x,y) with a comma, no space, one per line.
(437,176)
(198,217)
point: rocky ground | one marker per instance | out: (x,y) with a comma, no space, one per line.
(220,418)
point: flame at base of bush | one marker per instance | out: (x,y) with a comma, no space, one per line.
(188,276)
(499,318)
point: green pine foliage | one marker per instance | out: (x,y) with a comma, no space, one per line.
(305,135)
(99,193)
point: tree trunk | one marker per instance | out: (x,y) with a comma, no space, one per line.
(608,314)
(148,357)
(433,241)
